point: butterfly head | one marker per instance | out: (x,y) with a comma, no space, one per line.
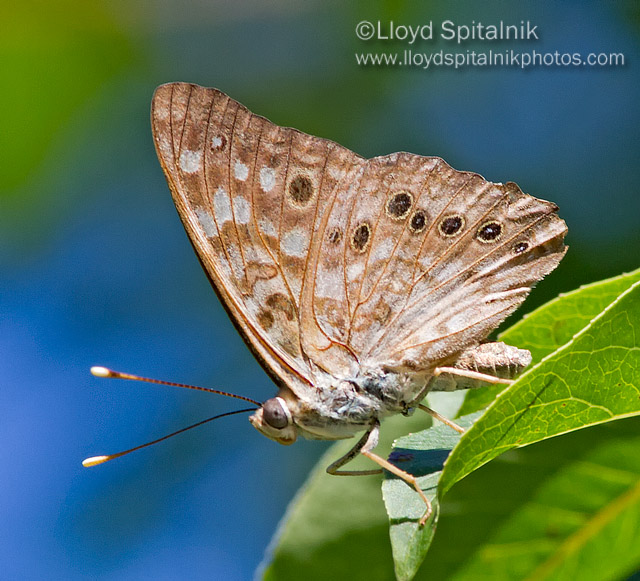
(275,421)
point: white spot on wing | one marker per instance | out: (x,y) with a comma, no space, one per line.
(336,173)
(241,171)
(190,161)
(295,242)
(263,288)
(426,261)
(166,148)
(241,210)
(222,205)
(251,254)
(236,260)
(398,286)
(267,178)
(225,269)
(383,250)
(354,270)
(207,222)
(161,113)
(329,283)
(216,142)
(268,228)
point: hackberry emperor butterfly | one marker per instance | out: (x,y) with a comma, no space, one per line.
(358,284)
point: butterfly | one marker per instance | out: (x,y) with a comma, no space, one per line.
(359,284)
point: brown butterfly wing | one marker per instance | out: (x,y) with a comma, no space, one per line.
(251,195)
(328,262)
(431,260)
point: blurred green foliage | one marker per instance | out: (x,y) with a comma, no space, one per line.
(55,57)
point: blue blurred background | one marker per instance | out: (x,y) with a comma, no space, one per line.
(96,268)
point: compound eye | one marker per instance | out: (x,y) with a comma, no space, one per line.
(273,413)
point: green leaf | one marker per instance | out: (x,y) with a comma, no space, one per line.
(552,325)
(567,508)
(337,527)
(594,378)
(423,455)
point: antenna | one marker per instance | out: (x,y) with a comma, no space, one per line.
(95,460)
(104,372)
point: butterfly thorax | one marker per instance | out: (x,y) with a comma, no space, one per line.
(340,408)
(337,408)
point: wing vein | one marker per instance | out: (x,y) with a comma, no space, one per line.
(399,240)
(389,324)
(232,194)
(208,198)
(418,299)
(373,237)
(459,331)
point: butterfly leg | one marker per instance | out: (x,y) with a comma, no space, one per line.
(365,446)
(434,414)
(334,468)
(468,374)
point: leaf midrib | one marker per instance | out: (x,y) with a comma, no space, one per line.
(592,527)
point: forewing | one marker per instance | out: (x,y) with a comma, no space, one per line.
(250,195)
